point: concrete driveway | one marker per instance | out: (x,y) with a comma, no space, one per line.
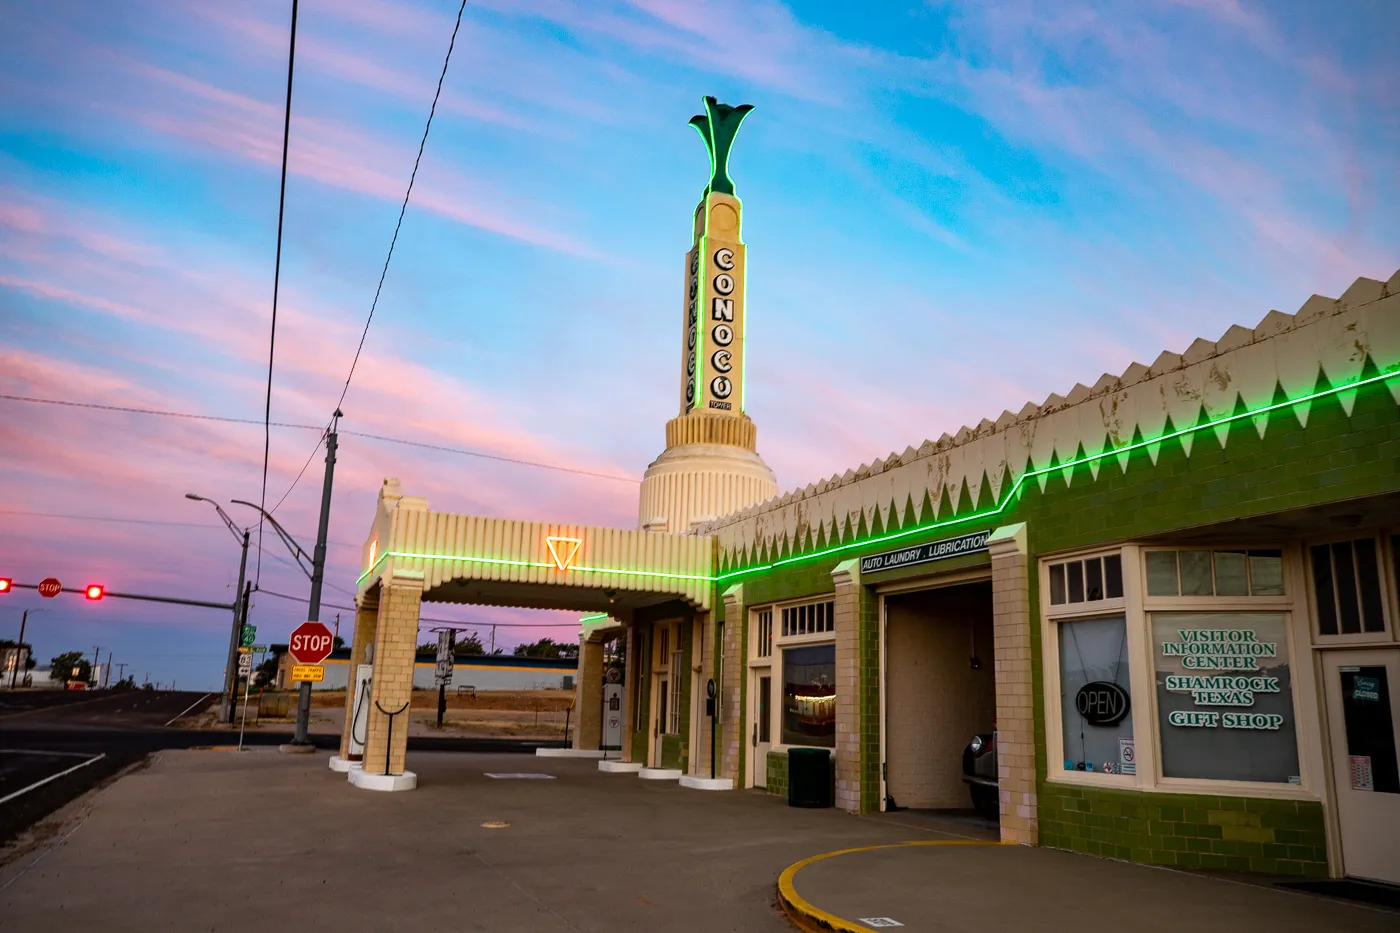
(221,840)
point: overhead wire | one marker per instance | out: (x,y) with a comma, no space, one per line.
(393,241)
(276,285)
(463,451)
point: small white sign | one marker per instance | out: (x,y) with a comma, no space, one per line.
(878,922)
(1127,757)
(1361,776)
(521,776)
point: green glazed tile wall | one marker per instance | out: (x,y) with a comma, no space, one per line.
(1274,837)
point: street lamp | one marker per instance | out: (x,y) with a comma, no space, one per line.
(235,638)
(313,567)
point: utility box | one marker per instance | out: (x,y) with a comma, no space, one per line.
(809,777)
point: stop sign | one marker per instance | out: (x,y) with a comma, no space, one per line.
(311,643)
(50,588)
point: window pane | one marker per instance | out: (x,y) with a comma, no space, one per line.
(1195,573)
(1368,576)
(1161,573)
(1322,585)
(1266,573)
(1113,577)
(1370,729)
(1225,696)
(765,718)
(1345,569)
(1057,584)
(1231,574)
(1076,581)
(1094,696)
(809,696)
(1093,578)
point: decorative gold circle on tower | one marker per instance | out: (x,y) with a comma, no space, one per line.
(724,220)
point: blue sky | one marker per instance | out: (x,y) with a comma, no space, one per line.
(951,210)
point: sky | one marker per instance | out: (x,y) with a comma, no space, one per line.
(951,209)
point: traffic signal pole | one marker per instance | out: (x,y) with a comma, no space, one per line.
(318,572)
(235,639)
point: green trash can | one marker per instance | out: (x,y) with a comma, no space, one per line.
(809,777)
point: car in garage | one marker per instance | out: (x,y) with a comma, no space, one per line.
(979,767)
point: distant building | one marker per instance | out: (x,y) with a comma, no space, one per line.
(479,672)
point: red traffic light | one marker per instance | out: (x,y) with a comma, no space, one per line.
(94,591)
(5,584)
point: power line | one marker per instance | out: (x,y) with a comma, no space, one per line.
(139,521)
(463,451)
(276,285)
(300,474)
(403,208)
(153,411)
(101,518)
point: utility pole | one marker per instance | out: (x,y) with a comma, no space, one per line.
(337,628)
(121,669)
(493,639)
(96,661)
(318,571)
(22,620)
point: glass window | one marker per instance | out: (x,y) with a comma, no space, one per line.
(809,696)
(674,727)
(1113,577)
(1266,573)
(764,648)
(1231,573)
(1225,696)
(1076,581)
(1093,578)
(1195,573)
(1161,573)
(1057,584)
(1347,586)
(1370,730)
(1094,696)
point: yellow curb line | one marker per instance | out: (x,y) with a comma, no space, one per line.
(812,919)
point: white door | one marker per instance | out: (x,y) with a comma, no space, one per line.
(761,711)
(1363,712)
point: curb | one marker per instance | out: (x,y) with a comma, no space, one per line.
(810,918)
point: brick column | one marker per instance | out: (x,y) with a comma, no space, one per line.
(631,668)
(366,622)
(588,696)
(734,730)
(395,643)
(1011,628)
(846,577)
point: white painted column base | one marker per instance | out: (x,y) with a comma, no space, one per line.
(620,767)
(704,783)
(659,774)
(388,782)
(568,753)
(342,765)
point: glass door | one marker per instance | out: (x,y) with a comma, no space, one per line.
(1363,712)
(760,733)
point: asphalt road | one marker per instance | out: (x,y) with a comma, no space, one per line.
(55,745)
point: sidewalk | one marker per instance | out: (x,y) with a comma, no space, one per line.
(981,886)
(231,841)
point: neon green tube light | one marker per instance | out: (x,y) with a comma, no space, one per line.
(996,510)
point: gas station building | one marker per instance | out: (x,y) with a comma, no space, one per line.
(1173,594)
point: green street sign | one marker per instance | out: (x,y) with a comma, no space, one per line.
(250,633)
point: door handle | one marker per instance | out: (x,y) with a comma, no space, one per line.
(755,735)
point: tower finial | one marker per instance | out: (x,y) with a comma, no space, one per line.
(718,126)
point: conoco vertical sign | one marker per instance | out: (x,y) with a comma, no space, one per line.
(714,310)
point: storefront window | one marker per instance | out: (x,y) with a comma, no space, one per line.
(809,696)
(1094,696)
(1225,696)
